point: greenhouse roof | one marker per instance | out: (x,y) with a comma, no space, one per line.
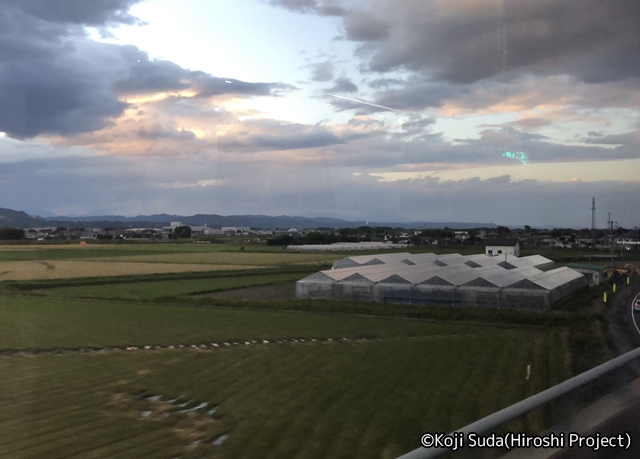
(450,269)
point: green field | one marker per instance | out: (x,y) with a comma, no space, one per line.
(46,323)
(231,258)
(312,399)
(333,379)
(168,288)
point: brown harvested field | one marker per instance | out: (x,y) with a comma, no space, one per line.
(63,269)
(275,292)
(75,245)
(230,258)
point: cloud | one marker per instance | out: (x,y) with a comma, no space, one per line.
(322,8)
(344,84)
(322,71)
(132,186)
(367,27)
(272,136)
(380,83)
(628,140)
(198,184)
(94,13)
(54,80)
(464,41)
(417,125)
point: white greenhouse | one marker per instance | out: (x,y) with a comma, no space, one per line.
(448,280)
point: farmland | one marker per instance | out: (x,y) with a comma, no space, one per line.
(140,364)
(66,261)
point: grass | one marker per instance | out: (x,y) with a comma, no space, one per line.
(30,322)
(117,281)
(231,258)
(369,397)
(312,400)
(169,288)
(436,313)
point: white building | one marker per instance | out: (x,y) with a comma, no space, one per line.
(445,280)
(462,235)
(500,247)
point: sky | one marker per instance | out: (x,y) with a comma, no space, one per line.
(380,110)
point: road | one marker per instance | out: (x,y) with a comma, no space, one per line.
(624,325)
(633,314)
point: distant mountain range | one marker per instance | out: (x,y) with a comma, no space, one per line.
(20,219)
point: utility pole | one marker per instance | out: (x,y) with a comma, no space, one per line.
(611,241)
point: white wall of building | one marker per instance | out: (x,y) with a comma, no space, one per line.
(499,250)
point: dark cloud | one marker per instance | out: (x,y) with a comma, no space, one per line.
(417,95)
(628,140)
(466,41)
(417,125)
(384,83)
(157,132)
(322,71)
(322,8)
(61,92)
(133,186)
(364,26)
(376,148)
(365,122)
(92,13)
(149,76)
(54,80)
(344,84)
(153,76)
(207,86)
(277,137)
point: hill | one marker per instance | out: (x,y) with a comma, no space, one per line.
(19,219)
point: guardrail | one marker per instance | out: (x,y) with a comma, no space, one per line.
(509,413)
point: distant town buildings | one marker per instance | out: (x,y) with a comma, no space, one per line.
(497,241)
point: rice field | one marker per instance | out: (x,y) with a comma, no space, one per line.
(231,258)
(312,400)
(36,322)
(169,288)
(66,269)
(33,262)
(116,365)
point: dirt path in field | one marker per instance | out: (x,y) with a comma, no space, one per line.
(274,292)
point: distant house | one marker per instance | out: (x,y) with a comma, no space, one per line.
(498,247)
(462,235)
(593,273)
(552,242)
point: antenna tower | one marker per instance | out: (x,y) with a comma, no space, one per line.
(593,214)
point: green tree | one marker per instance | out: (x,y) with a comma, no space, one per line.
(11,234)
(283,239)
(182,232)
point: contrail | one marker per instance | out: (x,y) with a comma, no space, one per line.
(362,102)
